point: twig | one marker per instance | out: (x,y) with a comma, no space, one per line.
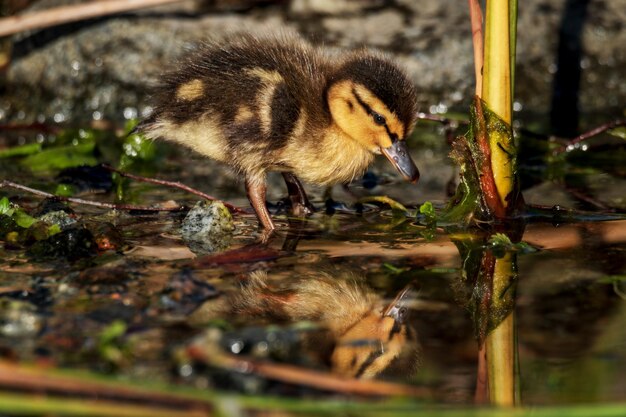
(296,375)
(11,184)
(587,199)
(441,119)
(591,133)
(36,404)
(39,127)
(476,17)
(66,14)
(173,184)
(17,377)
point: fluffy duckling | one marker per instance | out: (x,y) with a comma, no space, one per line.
(367,340)
(279,104)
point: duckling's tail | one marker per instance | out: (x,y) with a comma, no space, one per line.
(144,125)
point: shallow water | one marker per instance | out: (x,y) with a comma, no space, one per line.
(130,311)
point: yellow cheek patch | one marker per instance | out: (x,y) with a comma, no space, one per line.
(190,91)
(394,125)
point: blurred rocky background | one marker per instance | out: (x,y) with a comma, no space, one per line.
(103,68)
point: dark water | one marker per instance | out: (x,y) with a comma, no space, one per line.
(132,310)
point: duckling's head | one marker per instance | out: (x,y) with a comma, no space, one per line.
(376,341)
(375,103)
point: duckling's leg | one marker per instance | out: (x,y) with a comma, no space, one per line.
(300,204)
(256,188)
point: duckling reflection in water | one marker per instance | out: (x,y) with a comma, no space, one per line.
(368,337)
(276,103)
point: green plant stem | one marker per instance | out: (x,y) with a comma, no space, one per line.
(501,343)
(497,88)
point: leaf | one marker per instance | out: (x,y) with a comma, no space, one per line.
(6,207)
(65,190)
(22,219)
(62,157)
(501,243)
(393,269)
(500,239)
(385,200)
(619,132)
(428,210)
(22,150)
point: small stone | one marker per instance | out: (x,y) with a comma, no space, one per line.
(208,227)
(60,218)
(18,319)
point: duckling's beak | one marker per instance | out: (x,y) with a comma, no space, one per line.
(398,155)
(398,309)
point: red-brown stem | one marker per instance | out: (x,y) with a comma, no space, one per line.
(41,380)
(173,184)
(307,377)
(481,394)
(441,119)
(485,174)
(14,185)
(591,133)
(476,17)
(71,13)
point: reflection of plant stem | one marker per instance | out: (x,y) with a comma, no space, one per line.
(500,344)
(501,362)
(497,93)
(481,394)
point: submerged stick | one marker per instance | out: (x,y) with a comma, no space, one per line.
(173,184)
(38,405)
(66,14)
(31,379)
(296,375)
(130,207)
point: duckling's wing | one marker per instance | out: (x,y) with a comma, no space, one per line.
(240,101)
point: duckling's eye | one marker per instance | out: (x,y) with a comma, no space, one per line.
(378,119)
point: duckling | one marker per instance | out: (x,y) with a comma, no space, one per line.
(367,340)
(277,103)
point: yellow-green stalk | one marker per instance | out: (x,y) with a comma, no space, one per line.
(499,61)
(497,90)
(501,343)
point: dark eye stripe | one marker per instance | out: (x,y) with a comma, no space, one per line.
(395,329)
(378,118)
(363,104)
(369,361)
(392,136)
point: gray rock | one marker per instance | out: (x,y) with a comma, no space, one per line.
(60,218)
(19,319)
(208,227)
(105,69)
